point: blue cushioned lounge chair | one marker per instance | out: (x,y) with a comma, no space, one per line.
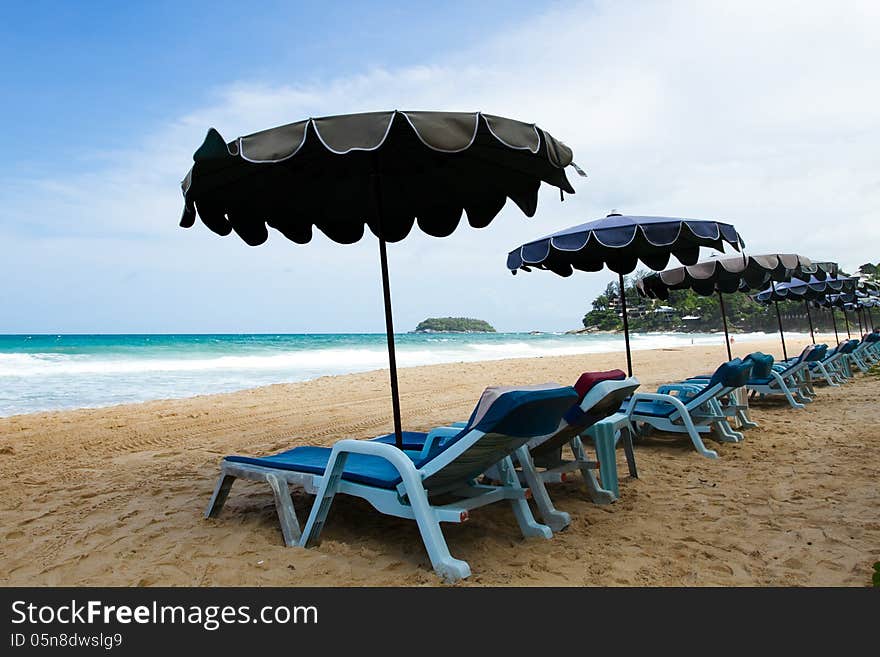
(830,367)
(691,407)
(866,352)
(405,483)
(789,379)
(596,417)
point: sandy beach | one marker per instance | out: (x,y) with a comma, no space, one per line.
(115,496)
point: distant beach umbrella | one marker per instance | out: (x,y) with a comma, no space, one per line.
(619,242)
(742,273)
(385,171)
(831,302)
(804,290)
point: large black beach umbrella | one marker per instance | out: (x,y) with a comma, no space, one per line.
(620,242)
(742,273)
(381,170)
(804,290)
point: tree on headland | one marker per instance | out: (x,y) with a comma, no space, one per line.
(685,310)
(454,325)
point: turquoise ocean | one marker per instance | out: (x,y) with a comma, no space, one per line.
(53,372)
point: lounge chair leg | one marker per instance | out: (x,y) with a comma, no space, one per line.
(286,512)
(598,495)
(556,520)
(311,536)
(629,451)
(783,387)
(725,433)
(527,523)
(698,441)
(603,438)
(221,492)
(447,567)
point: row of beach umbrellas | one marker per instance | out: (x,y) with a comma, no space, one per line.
(391,171)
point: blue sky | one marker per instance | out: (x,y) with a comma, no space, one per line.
(764,116)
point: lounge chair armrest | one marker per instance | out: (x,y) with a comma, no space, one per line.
(435,435)
(396,457)
(654,396)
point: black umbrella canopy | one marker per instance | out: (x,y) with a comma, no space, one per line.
(322,173)
(726,275)
(384,170)
(734,274)
(813,288)
(804,290)
(620,242)
(833,300)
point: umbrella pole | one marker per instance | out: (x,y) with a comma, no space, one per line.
(871,317)
(779,321)
(724,318)
(629,365)
(810,319)
(859,317)
(834,324)
(846,319)
(389,321)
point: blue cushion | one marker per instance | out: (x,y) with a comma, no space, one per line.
(817,353)
(654,409)
(412,440)
(517,413)
(761,364)
(359,468)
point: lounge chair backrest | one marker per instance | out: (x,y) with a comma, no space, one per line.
(732,374)
(762,364)
(805,354)
(849,346)
(817,353)
(495,431)
(602,394)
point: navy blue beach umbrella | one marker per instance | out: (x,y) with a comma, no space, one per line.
(804,290)
(620,242)
(382,172)
(739,273)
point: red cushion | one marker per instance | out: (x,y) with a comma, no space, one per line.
(590,379)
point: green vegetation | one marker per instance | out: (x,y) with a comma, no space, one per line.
(454,325)
(685,310)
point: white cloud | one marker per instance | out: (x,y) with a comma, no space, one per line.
(763,114)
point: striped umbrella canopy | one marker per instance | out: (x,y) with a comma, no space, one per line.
(813,288)
(382,171)
(805,290)
(741,273)
(619,242)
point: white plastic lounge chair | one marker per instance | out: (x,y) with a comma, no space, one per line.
(788,379)
(829,367)
(691,407)
(404,483)
(594,416)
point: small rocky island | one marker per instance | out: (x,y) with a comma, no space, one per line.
(454,325)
